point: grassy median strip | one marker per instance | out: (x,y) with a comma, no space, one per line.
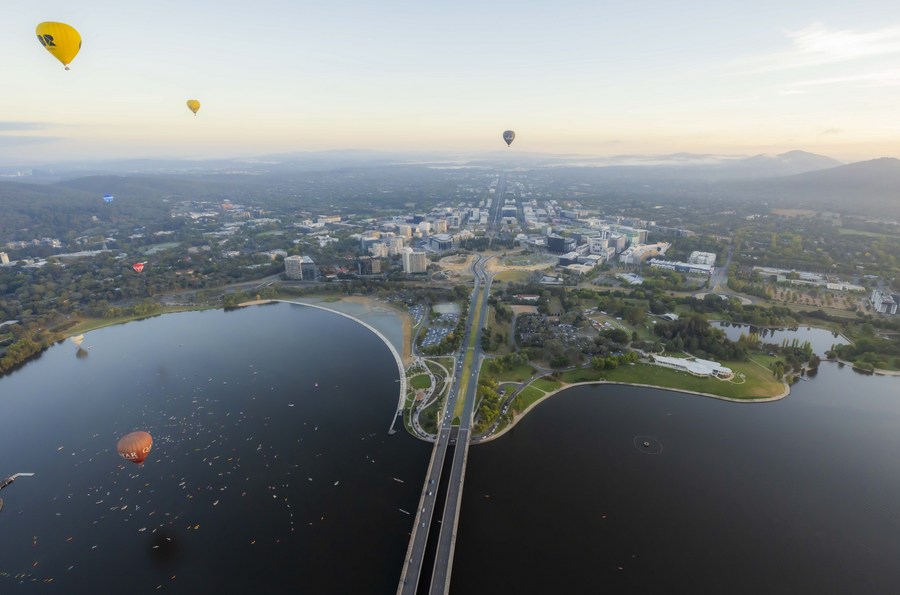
(467,367)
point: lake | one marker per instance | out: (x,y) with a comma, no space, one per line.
(820,339)
(271,469)
(793,496)
(272,472)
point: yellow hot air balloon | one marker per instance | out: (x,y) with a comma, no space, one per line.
(61,40)
(193,105)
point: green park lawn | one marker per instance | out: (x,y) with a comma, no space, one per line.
(420,381)
(758,383)
(526,398)
(546,385)
(512,276)
(519,373)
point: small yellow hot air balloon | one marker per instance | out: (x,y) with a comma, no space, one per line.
(193,105)
(61,40)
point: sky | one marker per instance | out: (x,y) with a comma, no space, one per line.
(588,77)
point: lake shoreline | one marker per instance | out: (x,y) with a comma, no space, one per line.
(520,416)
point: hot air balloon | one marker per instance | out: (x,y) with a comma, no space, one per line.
(61,40)
(108,198)
(135,446)
(193,105)
(509,136)
(78,340)
(138,267)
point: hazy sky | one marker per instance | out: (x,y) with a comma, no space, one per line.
(569,76)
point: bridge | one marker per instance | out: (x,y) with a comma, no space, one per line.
(466,367)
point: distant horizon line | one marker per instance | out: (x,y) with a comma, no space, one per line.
(439,155)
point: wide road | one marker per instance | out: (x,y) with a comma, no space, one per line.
(443,562)
(412,567)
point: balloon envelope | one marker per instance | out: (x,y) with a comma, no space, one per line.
(193,105)
(61,40)
(108,197)
(135,446)
(138,267)
(509,136)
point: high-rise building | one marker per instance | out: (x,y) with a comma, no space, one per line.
(300,268)
(560,245)
(369,265)
(414,261)
(379,250)
(4,258)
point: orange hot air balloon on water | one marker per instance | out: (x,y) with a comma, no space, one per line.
(135,446)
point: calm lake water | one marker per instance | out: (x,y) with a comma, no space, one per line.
(271,469)
(794,496)
(821,339)
(272,472)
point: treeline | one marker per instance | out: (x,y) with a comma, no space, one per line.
(875,352)
(489,402)
(611,362)
(695,335)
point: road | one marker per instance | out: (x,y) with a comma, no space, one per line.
(412,568)
(443,563)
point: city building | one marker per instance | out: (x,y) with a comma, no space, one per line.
(694,365)
(698,257)
(369,266)
(380,250)
(885,303)
(300,268)
(4,258)
(681,267)
(560,245)
(638,253)
(440,242)
(414,261)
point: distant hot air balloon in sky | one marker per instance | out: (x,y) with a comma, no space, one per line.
(138,267)
(108,198)
(135,446)
(61,40)
(509,136)
(193,105)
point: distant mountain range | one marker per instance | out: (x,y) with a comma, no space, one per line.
(795,178)
(871,187)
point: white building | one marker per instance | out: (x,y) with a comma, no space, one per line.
(884,303)
(414,261)
(698,257)
(694,365)
(379,250)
